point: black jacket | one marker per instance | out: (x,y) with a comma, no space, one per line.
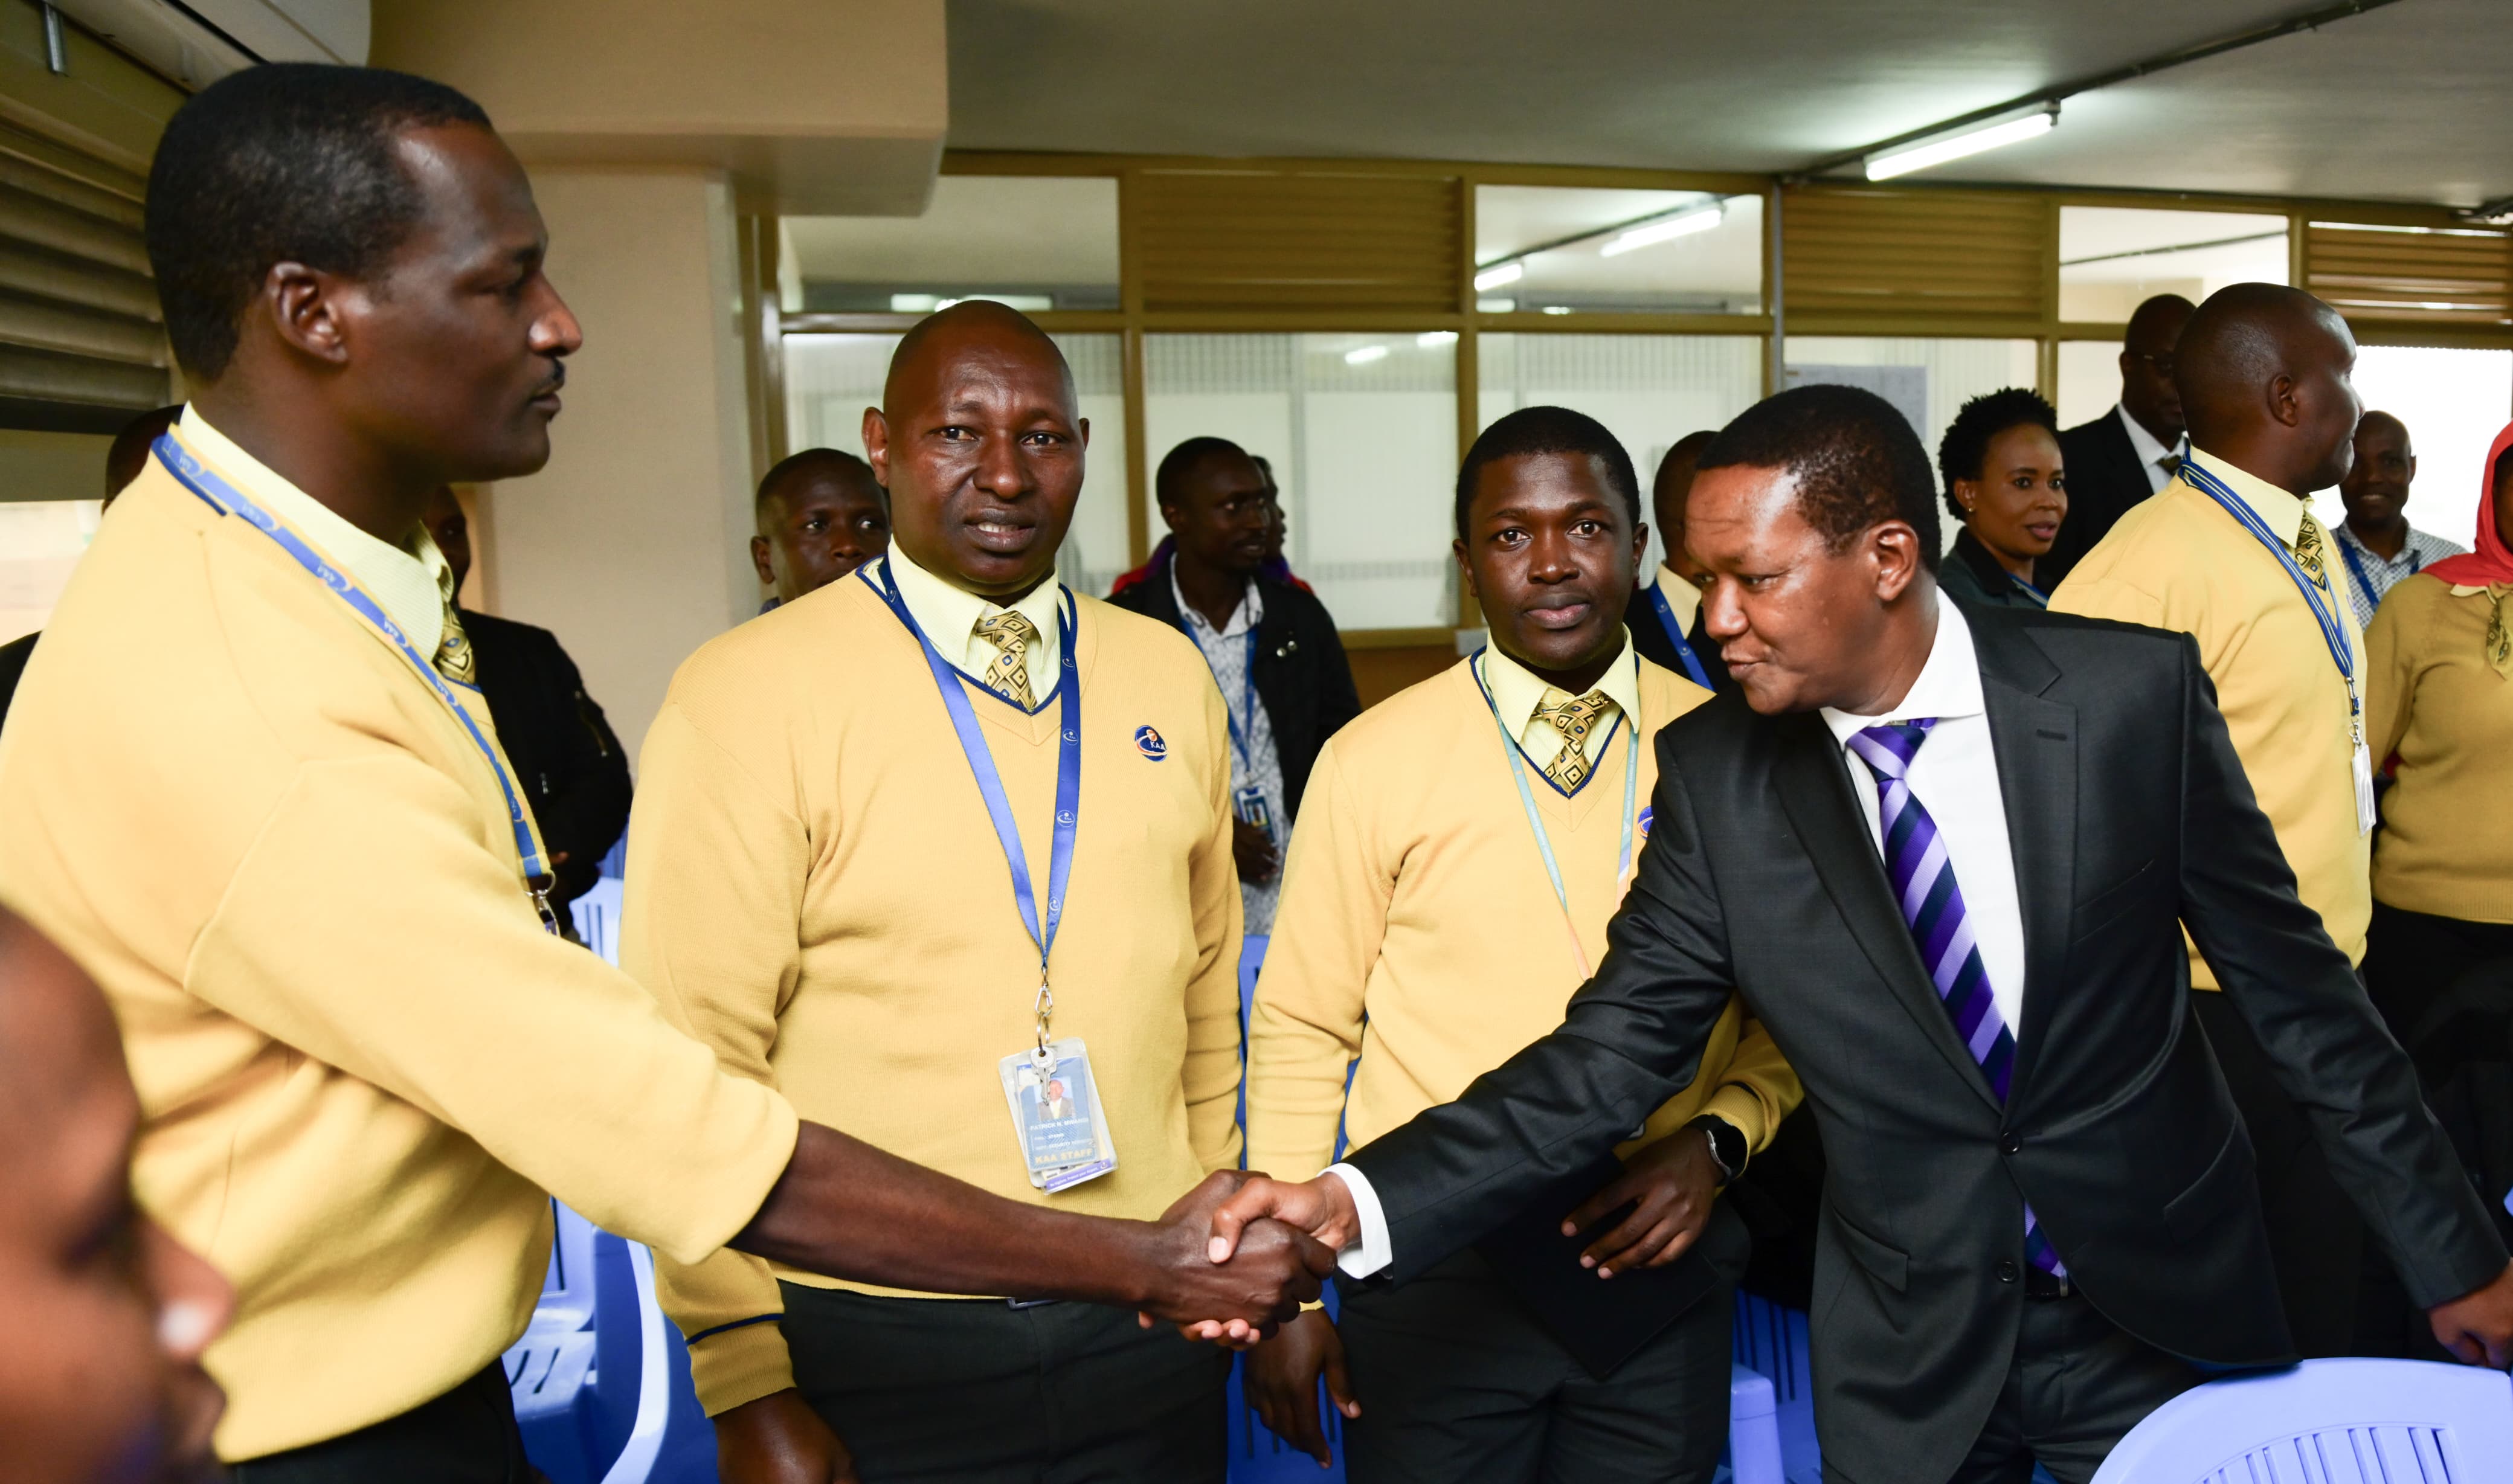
(2130,816)
(1649,636)
(1969,572)
(2105,479)
(1302,678)
(574,773)
(14,655)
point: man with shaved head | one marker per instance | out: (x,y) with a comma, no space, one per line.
(914,851)
(2376,541)
(2128,454)
(2230,553)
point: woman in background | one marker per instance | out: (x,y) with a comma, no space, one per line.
(2000,458)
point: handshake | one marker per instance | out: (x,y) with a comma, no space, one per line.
(1238,1255)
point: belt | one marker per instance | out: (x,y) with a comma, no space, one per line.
(2045,1285)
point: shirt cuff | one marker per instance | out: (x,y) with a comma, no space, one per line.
(1370,1251)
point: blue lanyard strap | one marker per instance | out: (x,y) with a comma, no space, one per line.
(1535,821)
(2332,632)
(225,498)
(1675,636)
(990,782)
(2365,583)
(1243,742)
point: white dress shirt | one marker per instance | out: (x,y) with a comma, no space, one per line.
(1955,778)
(950,618)
(2151,454)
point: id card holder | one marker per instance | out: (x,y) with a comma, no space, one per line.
(2363,771)
(1061,1128)
(1249,804)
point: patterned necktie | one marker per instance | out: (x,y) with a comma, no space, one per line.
(454,657)
(1007,674)
(1573,719)
(2170,464)
(2307,550)
(1923,875)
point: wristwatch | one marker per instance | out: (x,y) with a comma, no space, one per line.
(1727,1145)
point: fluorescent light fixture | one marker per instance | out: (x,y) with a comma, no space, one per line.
(1365,354)
(1501,306)
(1955,145)
(1557,308)
(1499,275)
(1666,229)
(1433,340)
(914,304)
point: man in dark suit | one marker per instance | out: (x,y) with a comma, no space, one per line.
(1945,855)
(574,770)
(2127,453)
(1664,613)
(1266,640)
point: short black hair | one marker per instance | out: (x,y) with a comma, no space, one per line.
(1857,462)
(1534,430)
(1169,482)
(838,460)
(1965,447)
(288,162)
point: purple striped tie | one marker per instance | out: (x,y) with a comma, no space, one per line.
(1932,904)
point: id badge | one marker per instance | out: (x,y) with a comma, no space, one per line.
(1063,1130)
(1249,804)
(2363,771)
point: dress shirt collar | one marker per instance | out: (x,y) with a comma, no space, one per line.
(1517,691)
(2281,512)
(410,582)
(1949,683)
(1682,597)
(1250,613)
(950,618)
(2150,451)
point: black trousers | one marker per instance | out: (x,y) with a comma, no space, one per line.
(1457,1380)
(2316,1237)
(2411,958)
(2077,1385)
(466,1436)
(973,1389)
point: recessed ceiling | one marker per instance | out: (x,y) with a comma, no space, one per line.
(2404,103)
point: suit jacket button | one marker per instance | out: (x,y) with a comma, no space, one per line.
(2010,1143)
(2006,1272)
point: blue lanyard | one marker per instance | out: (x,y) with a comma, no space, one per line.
(1243,744)
(2332,633)
(1535,821)
(1675,634)
(990,784)
(227,500)
(2363,583)
(2040,598)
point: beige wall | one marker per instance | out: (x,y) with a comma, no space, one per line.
(630,546)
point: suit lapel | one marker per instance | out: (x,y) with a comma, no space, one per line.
(2035,742)
(1814,791)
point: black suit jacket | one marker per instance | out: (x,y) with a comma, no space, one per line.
(2105,479)
(1302,678)
(2130,816)
(573,772)
(1649,636)
(14,655)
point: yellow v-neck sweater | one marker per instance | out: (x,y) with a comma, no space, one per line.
(360,1060)
(815,891)
(1419,933)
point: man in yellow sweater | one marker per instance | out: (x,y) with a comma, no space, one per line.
(828,808)
(364,1066)
(1448,889)
(2230,553)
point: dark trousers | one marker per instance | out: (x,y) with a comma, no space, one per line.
(2077,1385)
(976,1389)
(2316,1238)
(2411,958)
(466,1436)
(1457,1380)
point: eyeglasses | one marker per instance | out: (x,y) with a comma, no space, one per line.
(2163,364)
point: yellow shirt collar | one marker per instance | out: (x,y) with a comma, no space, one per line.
(1682,597)
(950,616)
(1516,692)
(410,582)
(2281,512)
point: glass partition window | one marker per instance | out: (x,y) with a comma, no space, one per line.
(1928,380)
(1036,242)
(1649,390)
(1362,433)
(1562,249)
(2453,403)
(2113,258)
(831,379)
(40,543)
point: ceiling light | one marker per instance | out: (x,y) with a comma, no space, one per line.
(1666,229)
(1956,144)
(1495,277)
(1365,354)
(1502,305)
(1557,308)
(1433,340)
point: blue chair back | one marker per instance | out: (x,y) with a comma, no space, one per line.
(2328,1421)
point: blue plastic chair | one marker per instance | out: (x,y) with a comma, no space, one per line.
(2328,1421)
(1771,1342)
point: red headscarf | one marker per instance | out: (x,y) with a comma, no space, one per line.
(2490,564)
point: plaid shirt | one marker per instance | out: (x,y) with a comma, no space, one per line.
(2369,576)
